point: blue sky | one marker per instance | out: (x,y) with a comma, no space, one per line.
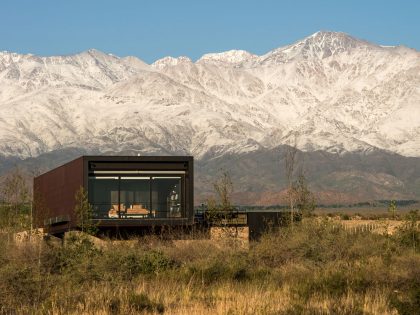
(153,29)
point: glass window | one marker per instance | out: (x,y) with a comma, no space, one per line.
(103,196)
(135,197)
(167,197)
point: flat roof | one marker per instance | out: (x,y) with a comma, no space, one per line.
(141,158)
(127,158)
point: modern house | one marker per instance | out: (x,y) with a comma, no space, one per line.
(125,192)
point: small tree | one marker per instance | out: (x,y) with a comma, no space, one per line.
(15,206)
(221,207)
(84,212)
(224,189)
(290,157)
(305,199)
(300,198)
(392,208)
(409,232)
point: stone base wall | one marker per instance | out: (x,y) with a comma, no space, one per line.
(235,235)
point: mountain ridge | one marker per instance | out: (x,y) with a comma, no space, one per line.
(338,98)
(266,99)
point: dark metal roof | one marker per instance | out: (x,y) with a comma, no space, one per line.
(127,158)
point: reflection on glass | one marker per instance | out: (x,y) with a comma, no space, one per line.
(131,197)
(135,197)
(103,195)
(166,196)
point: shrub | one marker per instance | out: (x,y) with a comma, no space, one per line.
(142,303)
(128,263)
(77,252)
(114,306)
(345,216)
(408,305)
(409,233)
(314,267)
(155,262)
(22,286)
(214,272)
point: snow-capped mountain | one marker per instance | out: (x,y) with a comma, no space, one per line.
(329,91)
(232,57)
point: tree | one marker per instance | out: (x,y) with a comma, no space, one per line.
(305,199)
(220,208)
(224,189)
(409,232)
(84,212)
(289,166)
(15,206)
(222,214)
(301,199)
(392,208)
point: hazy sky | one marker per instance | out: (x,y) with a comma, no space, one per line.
(156,28)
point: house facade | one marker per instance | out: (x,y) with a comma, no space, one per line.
(124,191)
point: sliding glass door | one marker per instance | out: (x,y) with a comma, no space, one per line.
(137,197)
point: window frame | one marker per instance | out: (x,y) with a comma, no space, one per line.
(143,174)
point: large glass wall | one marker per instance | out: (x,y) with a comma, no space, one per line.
(136,197)
(103,194)
(166,196)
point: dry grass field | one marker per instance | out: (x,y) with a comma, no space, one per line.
(314,267)
(375,226)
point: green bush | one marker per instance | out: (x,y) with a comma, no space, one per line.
(406,284)
(217,270)
(408,304)
(155,262)
(78,252)
(214,272)
(345,216)
(127,263)
(408,234)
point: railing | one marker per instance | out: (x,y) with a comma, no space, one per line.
(142,210)
(221,217)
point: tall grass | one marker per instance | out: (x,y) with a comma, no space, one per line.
(315,267)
